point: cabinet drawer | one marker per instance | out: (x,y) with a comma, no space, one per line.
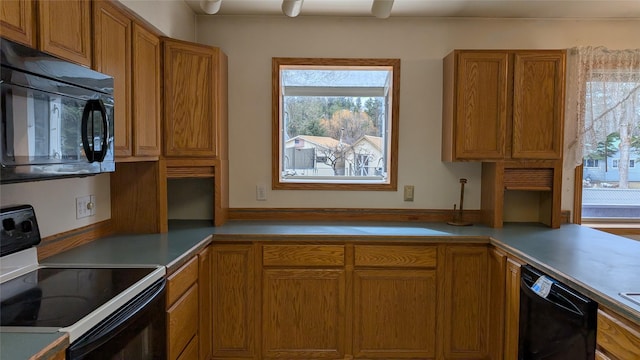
(303,255)
(395,256)
(181,280)
(182,322)
(618,337)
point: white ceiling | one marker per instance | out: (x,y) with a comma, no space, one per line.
(441,8)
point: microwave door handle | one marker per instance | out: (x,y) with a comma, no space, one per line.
(105,126)
(90,107)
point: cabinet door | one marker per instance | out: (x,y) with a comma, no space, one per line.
(112,56)
(463,303)
(18,21)
(233,301)
(146,92)
(394,314)
(481,105)
(65,29)
(190,100)
(303,313)
(538,105)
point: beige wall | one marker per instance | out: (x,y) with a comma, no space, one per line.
(251,42)
(174,18)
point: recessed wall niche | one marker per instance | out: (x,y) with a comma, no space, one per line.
(190,199)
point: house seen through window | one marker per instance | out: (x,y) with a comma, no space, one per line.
(336,123)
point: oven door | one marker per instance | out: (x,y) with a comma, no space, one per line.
(135,331)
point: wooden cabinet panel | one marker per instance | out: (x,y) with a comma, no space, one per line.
(182,324)
(497,300)
(538,105)
(512,310)
(374,301)
(18,21)
(463,302)
(303,255)
(394,314)
(191,98)
(233,301)
(616,337)
(303,313)
(146,92)
(481,106)
(396,256)
(131,54)
(503,104)
(205,332)
(181,280)
(65,29)
(112,56)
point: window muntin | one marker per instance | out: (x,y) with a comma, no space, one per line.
(335,123)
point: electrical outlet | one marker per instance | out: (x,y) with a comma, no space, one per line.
(82,207)
(261,192)
(408,193)
(85,206)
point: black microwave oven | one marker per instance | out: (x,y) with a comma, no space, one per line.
(57,117)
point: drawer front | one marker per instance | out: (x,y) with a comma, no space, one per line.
(303,255)
(396,256)
(182,319)
(181,280)
(618,338)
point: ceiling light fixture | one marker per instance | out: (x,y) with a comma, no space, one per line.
(210,6)
(381,8)
(291,8)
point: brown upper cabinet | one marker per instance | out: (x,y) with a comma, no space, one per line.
(18,21)
(131,54)
(503,104)
(194,100)
(60,28)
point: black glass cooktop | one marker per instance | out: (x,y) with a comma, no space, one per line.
(59,297)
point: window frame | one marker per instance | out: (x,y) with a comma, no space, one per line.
(276,123)
(614,226)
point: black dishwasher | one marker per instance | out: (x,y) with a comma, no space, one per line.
(556,322)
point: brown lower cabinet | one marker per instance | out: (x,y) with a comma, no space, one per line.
(189,309)
(616,338)
(346,300)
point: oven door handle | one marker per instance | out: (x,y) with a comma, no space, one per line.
(117,322)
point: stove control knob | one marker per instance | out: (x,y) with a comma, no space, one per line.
(26,226)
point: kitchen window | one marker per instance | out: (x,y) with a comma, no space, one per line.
(335,123)
(606,92)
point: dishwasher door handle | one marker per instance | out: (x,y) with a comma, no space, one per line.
(568,306)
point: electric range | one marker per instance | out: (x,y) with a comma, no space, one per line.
(59,297)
